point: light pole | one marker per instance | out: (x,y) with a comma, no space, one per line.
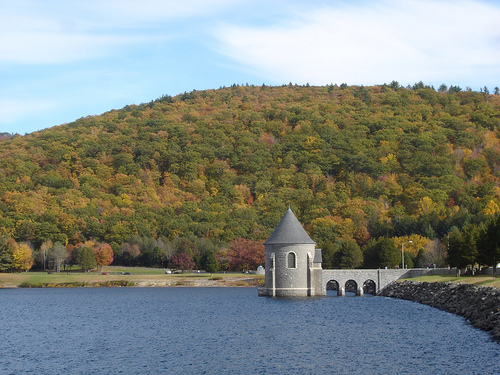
(403,253)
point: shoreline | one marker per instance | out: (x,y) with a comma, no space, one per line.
(24,281)
(479,305)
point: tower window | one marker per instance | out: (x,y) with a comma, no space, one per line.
(292,260)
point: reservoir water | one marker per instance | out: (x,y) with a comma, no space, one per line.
(231,331)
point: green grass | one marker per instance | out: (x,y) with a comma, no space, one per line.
(77,278)
(106,283)
(134,270)
(485,280)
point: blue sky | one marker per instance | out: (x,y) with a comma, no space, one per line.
(65,59)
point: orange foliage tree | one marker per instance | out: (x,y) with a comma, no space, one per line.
(103,255)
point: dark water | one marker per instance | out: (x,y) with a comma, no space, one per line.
(231,331)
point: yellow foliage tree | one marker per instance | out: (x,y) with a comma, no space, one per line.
(491,208)
(22,257)
(417,242)
(426,206)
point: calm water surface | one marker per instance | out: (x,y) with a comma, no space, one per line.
(231,331)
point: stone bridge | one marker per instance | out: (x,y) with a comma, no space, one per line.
(372,281)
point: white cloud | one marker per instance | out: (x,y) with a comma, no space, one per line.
(402,40)
(63,32)
(39,47)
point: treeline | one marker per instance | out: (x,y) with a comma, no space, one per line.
(18,257)
(182,254)
(359,165)
(475,245)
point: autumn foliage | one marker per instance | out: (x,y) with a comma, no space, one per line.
(214,170)
(103,254)
(182,261)
(245,254)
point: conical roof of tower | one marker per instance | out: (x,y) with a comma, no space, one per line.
(289,231)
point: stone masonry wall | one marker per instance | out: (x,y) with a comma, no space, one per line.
(480,305)
(381,277)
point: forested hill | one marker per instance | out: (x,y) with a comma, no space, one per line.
(354,162)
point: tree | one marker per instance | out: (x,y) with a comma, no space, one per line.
(470,235)
(434,254)
(58,255)
(154,257)
(182,261)
(443,88)
(6,260)
(22,257)
(85,258)
(211,263)
(455,248)
(245,254)
(462,246)
(128,254)
(348,255)
(389,255)
(103,254)
(381,253)
(491,208)
(489,244)
(43,252)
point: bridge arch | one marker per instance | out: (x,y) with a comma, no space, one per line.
(332,288)
(351,287)
(369,287)
(369,281)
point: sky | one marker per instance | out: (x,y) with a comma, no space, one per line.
(61,60)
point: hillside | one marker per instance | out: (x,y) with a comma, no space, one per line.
(202,169)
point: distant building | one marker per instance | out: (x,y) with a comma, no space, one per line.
(293,264)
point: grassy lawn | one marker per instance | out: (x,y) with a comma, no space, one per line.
(137,275)
(485,280)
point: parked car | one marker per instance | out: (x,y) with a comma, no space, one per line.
(105,273)
(127,273)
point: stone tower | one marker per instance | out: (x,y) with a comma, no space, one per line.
(293,264)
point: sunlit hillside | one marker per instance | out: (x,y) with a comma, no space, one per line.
(217,169)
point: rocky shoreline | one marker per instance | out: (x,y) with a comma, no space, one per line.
(480,305)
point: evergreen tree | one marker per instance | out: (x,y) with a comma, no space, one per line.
(462,246)
(489,244)
(211,263)
(6,260)
(381,253)
(348,255)
(389,255)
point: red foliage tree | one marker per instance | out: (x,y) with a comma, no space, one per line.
(182,261)
(245,254)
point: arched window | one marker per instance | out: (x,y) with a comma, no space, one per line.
(292,263)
